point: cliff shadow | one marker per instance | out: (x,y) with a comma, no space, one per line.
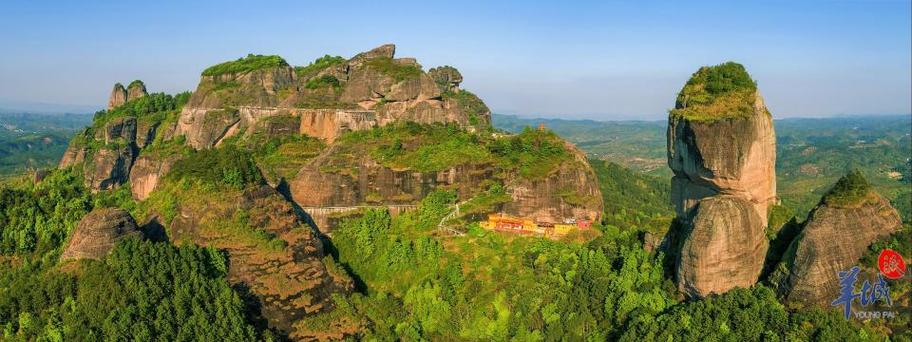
(285,190)
(778,246)
(671,247)
(154,231)
(328,247)
(253,310)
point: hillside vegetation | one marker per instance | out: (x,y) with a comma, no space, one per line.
(530,154)
(717,92)
(245,64)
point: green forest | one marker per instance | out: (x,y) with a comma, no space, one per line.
(411,282)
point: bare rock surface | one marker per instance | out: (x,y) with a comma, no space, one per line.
(108,168)
(833,239)
(147,172)
(118,96)
(371,89)
(135,90)
(724,248)
(98,231)
(730,156)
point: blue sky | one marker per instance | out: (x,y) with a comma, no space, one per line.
(601,60)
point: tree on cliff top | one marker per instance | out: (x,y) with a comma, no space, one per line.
(848,190)
(250,63)
(717,92)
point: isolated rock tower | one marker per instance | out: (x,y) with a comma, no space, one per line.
(722,150)
(118,96)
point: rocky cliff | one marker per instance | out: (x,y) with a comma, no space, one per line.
(118,96)
(721,149)
(371,89)
(273,253)
(837,233)
(136,89)
(363,172)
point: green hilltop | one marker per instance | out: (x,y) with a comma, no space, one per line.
(849,190)
(716,92)
(250,63)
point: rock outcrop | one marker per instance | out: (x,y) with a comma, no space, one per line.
(109,168)
(371,89)
(120,130)
(135,90)
(288,275)
(74,154)
(347,177)
(147,172)
(446,77)
(96,233)
(571,192)
(835,236)
(722,150)
(733,156)
(118,96)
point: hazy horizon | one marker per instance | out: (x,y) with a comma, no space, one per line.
(599,61)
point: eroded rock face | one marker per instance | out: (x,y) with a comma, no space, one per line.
(723,249)
(446,77)
(147,172)
(730,156)
(833,240)
(205,128)
(135,90)
(97,232)
(570,192)
(109,168)
(72,156)
(371,89)
(145,132)
(120,130)
(289,279)
(376,184)
(118,96)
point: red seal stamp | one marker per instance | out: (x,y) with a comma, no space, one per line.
(891,264)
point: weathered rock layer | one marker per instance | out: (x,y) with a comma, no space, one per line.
(734,157)
(833,240)
(97,232)
(289,278)
(724,248)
